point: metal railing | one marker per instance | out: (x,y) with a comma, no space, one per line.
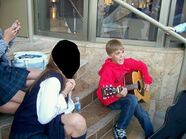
(72,16)
(180,85)
(151,20)
(77,11)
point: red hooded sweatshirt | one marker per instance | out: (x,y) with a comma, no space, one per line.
(113,74)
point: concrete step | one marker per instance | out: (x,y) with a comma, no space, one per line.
(5,124)
(159,119)
(82,70)
(99,119)
(108,135)
(85,91)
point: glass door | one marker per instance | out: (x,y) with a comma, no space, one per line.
(61,18)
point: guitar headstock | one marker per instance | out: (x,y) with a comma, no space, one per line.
(110,91)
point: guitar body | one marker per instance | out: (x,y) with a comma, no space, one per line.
(135,78)
(174,126)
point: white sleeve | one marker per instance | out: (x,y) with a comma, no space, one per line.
(48,99)
(180,28)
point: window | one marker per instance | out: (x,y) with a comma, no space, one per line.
(115,21)
(57,17)
(180,12)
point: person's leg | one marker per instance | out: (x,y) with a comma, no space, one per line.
(32,76)
(127,106)
(18,97)
(11,106)
(144,120)
(74,125)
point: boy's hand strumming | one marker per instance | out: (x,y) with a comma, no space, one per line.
(123,92)
(147,87)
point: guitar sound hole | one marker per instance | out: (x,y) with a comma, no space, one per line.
(139,86)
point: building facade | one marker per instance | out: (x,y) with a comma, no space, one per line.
(96,20)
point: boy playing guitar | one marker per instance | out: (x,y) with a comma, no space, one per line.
(112,73)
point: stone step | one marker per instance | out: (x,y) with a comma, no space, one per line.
(159,119)
(99,119)
(108,135)
(82,70)
(5,124)
(85,91)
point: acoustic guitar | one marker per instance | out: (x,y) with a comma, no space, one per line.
(134,84)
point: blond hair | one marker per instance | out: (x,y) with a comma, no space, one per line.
(113,45)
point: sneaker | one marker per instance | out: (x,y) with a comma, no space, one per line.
(119,133)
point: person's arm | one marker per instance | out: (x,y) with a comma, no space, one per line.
(107,79)
(50,102)
(180,28)
(9,34)
(142,67)
(3,47)
(16,26)
(5,41)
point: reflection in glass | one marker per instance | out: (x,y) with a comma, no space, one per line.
(63,16)
(53,12)
(180,12)
(115,21)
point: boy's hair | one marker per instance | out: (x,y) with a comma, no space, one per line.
(113,45)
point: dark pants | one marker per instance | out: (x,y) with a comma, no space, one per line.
(129,106)
(52,130)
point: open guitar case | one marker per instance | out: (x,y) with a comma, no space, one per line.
(174,126)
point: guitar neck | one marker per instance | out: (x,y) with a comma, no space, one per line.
(131,87)
(119,89)
(134,84)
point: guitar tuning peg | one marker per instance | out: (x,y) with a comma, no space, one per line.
(106,85)
(110,85)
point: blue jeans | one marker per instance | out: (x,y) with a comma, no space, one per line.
(129,106)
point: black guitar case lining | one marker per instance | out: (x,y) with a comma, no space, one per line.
(174,126)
